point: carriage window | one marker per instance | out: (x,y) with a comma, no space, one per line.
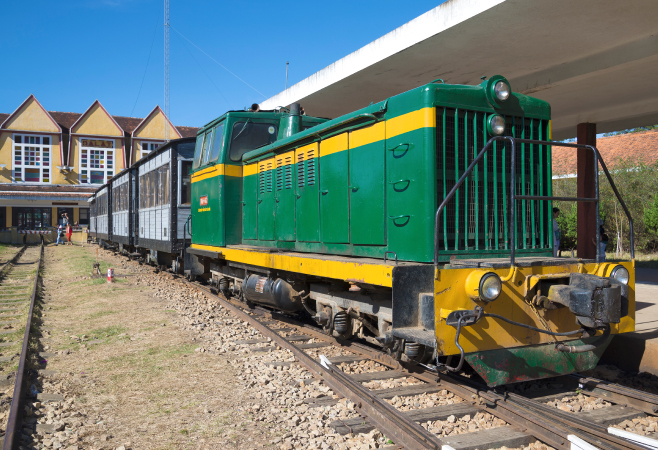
(247,136)
(186,185)
(164,179)
(197,151)
(217,143)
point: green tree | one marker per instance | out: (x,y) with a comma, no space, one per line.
(651,216)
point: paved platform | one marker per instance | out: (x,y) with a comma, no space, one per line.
(638,351)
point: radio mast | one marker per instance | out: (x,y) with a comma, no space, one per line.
(166,67)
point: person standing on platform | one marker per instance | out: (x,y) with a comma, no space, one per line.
(60,234)
(557,235)
(69,233)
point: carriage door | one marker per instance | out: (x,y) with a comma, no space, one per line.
(366,172)
(266,200)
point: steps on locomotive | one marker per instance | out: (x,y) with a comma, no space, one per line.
(525,261)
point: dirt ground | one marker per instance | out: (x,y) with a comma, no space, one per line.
(129,376)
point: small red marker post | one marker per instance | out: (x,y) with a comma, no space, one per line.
(110,275)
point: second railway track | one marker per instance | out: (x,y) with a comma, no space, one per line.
(19,284)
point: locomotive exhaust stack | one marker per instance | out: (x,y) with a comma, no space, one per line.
(292,124)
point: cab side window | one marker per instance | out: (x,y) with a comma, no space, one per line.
(248,135)
(198,151)
(206,147)
(218,142)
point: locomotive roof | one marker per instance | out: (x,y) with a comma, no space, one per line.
(469,97)
(259,114)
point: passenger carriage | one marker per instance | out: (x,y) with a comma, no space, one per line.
(162,203)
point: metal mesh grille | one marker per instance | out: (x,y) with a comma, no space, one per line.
(477,219)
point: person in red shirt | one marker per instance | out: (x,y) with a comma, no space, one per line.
(69,233)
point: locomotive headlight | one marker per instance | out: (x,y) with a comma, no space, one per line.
(501,90)
(490,287)
(620,273)
(496,125)
(483,286)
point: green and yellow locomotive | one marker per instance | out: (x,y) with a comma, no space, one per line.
(421,223)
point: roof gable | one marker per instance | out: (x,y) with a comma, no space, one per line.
(154,126)
(31,116)
(96,121)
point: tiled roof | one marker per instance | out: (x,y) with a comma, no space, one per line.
(641,147)
(188,131)
(75,188)
(127,123)
(19,191)
(67,119)
(64,119)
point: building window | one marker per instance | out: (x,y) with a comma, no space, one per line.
(31,218)
(32,158)
(148,147)
(3,217)
(96,161)
(84,216)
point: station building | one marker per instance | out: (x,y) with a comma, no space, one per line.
(51,162)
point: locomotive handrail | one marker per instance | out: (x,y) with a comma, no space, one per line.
(187,228)
(513,197)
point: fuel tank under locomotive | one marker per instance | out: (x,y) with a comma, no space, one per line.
(276,293)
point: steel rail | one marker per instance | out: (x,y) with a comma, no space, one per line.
(14,411)
(13,259)
(525,414)
(482,397)
(382,415)
(543,422)
(616,393)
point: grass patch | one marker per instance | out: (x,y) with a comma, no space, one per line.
(100,314)
(107,332)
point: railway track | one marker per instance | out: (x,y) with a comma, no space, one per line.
(19,279)
(528,415)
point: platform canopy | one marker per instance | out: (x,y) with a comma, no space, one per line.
(593,60)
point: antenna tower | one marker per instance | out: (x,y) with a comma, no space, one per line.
(166,67)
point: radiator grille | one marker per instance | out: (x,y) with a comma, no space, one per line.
(477,219)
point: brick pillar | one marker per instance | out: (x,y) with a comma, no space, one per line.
(587,220)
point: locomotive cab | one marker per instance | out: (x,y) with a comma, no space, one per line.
(217,171)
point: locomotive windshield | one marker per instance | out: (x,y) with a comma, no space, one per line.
(247,136)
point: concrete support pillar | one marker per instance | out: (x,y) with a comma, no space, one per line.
(587,219)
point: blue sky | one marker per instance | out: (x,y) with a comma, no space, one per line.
(70,53)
